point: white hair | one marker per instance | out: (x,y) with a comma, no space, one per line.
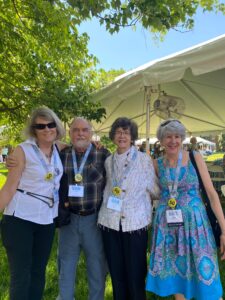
(169,126)
(75,119)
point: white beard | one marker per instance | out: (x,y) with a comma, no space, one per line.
(82,144)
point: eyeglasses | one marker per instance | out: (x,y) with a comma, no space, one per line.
(169,121)
(43,126)
(81,130)
(121,133)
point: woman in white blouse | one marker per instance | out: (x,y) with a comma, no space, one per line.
(125,213)
(30,199)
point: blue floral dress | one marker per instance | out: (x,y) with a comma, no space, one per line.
(183,259)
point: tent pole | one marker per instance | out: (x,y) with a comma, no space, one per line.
(147,95)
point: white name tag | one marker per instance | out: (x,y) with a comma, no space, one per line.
(174,217)
(76,190)
(56,195)
(114,203)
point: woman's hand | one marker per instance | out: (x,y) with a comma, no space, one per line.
(222,246)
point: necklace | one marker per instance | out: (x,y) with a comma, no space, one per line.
(47,155)
(172,164)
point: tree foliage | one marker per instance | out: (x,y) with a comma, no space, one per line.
(43,61)
(103,78)
(108,144)
(156,15)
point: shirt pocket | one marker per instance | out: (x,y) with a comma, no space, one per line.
(95,172)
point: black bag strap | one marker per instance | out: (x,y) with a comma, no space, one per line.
(212,218)
(201,185)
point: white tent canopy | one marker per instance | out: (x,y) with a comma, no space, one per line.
(197,75)
(152,141)
(200,140)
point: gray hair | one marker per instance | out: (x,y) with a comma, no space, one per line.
(75,119)
(169,126)
(47,114)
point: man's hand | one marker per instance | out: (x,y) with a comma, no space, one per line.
(97,144)
(11,161)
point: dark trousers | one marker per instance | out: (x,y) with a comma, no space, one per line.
(28,247)
(126,256)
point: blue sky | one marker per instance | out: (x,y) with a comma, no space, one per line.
(129,49)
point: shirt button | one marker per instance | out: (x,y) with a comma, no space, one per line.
(122,217)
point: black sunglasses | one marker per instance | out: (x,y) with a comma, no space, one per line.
(43,126)
(169,121)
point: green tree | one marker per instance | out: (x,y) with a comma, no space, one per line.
(156,15)
(43,61)
(102,77)
(107,143)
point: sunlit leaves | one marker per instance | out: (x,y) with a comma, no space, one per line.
(43,61)
(155,15)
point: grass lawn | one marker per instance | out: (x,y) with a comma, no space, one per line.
(3,169)
(51,289)
(3,173)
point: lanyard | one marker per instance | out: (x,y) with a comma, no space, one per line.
(173,184)
(119,181)
(75,167)
(44,164)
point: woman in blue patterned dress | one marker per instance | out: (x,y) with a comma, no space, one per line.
(183,259)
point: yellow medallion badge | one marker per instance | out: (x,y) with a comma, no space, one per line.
(116,191)
(78,177)
(172,202)
(49,176)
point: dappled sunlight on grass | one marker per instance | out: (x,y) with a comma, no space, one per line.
(2,180)
(3,174)
(215,156)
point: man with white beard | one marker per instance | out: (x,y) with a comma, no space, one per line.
(85,181)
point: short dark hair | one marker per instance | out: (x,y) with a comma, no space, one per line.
(124,123)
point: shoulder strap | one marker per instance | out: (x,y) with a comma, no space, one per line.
(212,218)
(192,158)
(201,185)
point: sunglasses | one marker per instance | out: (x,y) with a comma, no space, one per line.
(43,126)
(169,121)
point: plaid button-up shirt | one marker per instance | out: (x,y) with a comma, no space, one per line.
(93,180)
